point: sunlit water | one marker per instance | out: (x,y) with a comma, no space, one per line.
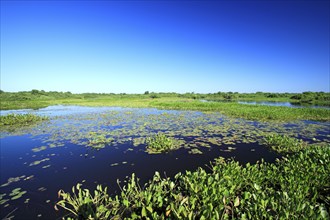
(285,104)
(65,159)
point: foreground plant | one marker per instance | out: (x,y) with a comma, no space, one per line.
(85,205)
(295,187)
(21,119)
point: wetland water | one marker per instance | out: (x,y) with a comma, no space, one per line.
(38,161)
(285,104)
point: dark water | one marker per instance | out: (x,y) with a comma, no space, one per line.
(68,168)
(66,165)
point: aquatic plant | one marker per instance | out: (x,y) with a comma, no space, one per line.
(295,187)
(161,143)
(85,205)
(20,119)
(98,140)
(284,143)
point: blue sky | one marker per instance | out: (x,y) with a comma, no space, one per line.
(165,46)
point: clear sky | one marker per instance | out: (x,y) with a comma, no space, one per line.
(165,46)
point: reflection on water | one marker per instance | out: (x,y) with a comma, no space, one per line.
(269,103)
(285,104)
(54,155)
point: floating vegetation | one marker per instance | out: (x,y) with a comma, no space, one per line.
(29,177)
(2,199)
(16,193)
(230,190)
(284,144)
(38,149)
(20,119)
(42,189)
(98,139)
(195,151)
(138,141)
(161,143)
(128,133)
(192,129)
(37,162)
(13,180)
(13,195)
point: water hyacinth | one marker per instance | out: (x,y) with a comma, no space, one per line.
(161,143)
(20,119)
(293,188)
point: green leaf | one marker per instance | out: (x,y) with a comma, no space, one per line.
(324,213)
(236,203)
(149,208)
(144,212)
(256,186)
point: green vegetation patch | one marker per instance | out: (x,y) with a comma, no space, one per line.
(98,140)
(16,193)
(20,119)
(295,187)
(250,112)
(161,143)
(284,143)
(188,101)
(13,195)
(187,129)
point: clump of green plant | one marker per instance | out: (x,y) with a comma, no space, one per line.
(284,143)
(295,187)
(20,119)
(161,143)
(85,205)
(98,140)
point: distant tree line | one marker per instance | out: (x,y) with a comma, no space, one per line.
(305,97)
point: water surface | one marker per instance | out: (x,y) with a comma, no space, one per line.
(56,154)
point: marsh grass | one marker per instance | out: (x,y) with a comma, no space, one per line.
(295,187)
(178,102)
(250,112)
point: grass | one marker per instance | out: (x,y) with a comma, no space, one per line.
(189,101)
(250,112)
(295,187)
(20,119)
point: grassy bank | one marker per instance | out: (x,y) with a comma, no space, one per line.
(251,112)
(296,187)
(173,101)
